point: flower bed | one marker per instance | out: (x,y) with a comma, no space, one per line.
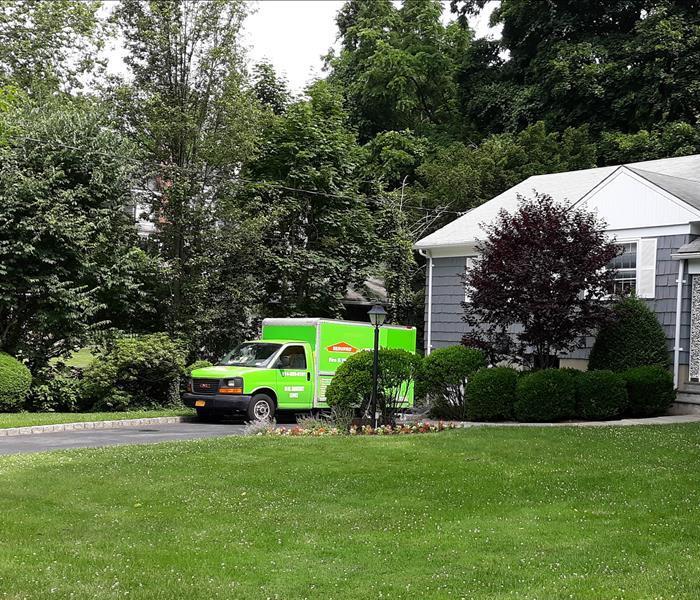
(403,429)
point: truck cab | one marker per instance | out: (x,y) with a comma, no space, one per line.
(255,379)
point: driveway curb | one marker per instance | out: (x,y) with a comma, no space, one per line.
(665,420)
(116,424)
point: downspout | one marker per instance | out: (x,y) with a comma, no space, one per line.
(429,323)
(679,303)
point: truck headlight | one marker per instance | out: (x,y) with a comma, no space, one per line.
(232,386)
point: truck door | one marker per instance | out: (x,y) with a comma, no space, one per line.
(294,381)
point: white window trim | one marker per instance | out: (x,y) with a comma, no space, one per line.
(638,273)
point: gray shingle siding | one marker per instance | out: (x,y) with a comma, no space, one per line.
(448,293)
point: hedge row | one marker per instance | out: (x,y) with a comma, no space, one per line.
(134,372)
(561,394)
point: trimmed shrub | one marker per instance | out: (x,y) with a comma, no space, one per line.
(491,394)
(352,385)
(600,395)
(197,364)
(135,372)
(547,395)
(56,390)
(15,381)
(634,338)
(650,391)
(443,379)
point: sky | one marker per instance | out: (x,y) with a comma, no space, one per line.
(293,35)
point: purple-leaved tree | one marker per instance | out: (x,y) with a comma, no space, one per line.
(540,282)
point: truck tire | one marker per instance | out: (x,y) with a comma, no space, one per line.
(261,407)
(206,415)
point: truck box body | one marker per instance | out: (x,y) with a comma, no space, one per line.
(334,341)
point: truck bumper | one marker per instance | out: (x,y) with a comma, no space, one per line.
(224,403)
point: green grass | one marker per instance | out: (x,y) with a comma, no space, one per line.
(527,513)
(80,359)
(51,418)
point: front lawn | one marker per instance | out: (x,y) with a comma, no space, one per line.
(51,418)
(481,513)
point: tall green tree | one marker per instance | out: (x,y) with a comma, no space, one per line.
(49,46)
(270,89)
(319,239)
(190,109)
(65,178)
(397,67)
(623,65)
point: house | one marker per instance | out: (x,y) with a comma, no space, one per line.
(652,209)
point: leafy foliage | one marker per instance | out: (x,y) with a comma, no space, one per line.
(600,395)
(650,390)
(49,46)
(491,394)
(444,376)
(616,65)
(633,338)
(525,277)
(317,239)
(15,380)
(67,262)
(547,395)
(189,110)
(56,389)
(135,372)
(397,66)
(351,386)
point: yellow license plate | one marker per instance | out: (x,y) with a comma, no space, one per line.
(199,402)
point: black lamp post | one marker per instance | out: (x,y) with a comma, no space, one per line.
(377,316)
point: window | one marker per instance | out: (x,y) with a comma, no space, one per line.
(625,266)
(293,357)
(252,354)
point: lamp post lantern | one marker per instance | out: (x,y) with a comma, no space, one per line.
(377,316)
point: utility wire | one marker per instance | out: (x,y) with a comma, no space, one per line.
(362,197)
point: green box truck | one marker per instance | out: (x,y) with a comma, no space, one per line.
(289,368)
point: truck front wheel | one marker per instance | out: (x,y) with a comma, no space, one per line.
(261,408)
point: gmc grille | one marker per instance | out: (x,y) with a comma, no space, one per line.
(205,386)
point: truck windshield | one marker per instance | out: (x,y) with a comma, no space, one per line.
(250,355)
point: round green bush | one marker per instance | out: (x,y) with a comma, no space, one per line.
(135,372)
(491,394)
(443,379)
(650,391)
(633,338)
(600,395)
(15,381)
(547,395)
(351,387)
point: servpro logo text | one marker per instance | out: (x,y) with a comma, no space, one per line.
(341,347)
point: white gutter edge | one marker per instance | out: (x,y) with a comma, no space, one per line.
(679,302)
(429,324)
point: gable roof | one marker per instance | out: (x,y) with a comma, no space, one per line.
(687,190)
(679,177)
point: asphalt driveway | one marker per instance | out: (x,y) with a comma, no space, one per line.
(97,438)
